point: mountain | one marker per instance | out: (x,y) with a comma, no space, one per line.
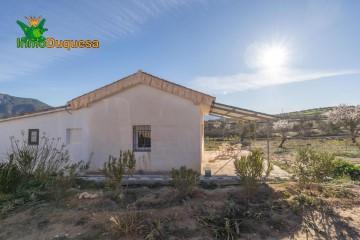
(10,105)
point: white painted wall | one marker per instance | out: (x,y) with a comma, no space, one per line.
(53,124)
(175,128)
(106,127)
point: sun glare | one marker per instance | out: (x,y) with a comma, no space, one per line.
(273,57)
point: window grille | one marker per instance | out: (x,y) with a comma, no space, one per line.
(142,138)
(33,137)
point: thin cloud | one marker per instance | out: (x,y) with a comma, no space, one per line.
(246,81)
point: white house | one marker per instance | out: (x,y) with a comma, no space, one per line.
(160,121)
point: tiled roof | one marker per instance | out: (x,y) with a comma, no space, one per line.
(33,113)
(141,78)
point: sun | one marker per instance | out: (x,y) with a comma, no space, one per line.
(272,57)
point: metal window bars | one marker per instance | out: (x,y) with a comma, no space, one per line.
(142,138)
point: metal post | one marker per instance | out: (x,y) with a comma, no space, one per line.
(268,146)
(250,133)
(254,130)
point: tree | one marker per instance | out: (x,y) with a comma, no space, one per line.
(283,127)
(328,127)
(243,129)
(303,128)
(348,117)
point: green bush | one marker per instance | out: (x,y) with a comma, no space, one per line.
(115,168)
(10,177)
(250,168)
(184,179)
(313,167)
(46,164)
(343,168)
(44,161)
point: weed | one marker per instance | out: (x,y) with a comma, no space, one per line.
(10,177)
(278,222)
(313,167)
(208,185)
(82,221)
(33,173)
(304,199)
(184,179)
(221,228)
(250,168)
(42,161)
(115,168)
(157,228)
(343,168)
(128,222)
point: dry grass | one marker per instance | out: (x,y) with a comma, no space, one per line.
(282,211)
(284,157)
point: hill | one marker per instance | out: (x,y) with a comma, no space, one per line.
(10,105)
(314,113)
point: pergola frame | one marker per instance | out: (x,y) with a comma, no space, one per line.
(227,111)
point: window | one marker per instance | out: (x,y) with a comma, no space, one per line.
(33,138)
(73,136)
(142,138)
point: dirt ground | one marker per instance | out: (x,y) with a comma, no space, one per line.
(275,210)
(284,157)
(221,164)
(271,211)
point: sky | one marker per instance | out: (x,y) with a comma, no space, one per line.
(270,56)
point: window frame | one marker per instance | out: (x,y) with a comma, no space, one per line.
(146,131)
(36,142)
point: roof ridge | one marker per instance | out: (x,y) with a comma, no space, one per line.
(138,78)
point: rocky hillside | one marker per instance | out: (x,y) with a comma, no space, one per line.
(10,105)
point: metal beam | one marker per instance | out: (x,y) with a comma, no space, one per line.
(241,112)
(236,118)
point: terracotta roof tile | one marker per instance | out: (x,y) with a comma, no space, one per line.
(141,78)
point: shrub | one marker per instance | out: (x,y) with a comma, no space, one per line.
(49,158)
(343,168)
(184,179)
(312,166)
(250,168)
(115,168)
(46,164)
(10,177)
(129,223)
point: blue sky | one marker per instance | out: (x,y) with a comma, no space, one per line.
(268,56)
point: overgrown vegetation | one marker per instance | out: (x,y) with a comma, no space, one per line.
(33,173)
(250,168)
(115,168)
(281,210)
(313,167)
(10,177)
(184,179)
(132,222)
(343,168)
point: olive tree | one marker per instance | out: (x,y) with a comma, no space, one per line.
(283,127)
(348,117)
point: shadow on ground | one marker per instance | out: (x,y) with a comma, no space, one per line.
(275,211)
